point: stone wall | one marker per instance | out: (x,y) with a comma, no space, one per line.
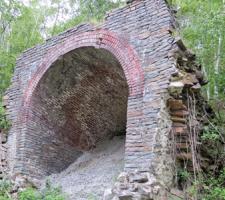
(180,123)
(3,154)
(133,53)
(188,109)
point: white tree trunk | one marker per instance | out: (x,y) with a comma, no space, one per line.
(217,65)
(206,76)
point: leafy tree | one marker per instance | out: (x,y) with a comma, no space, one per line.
(202,27)
(87,11)
(20,27)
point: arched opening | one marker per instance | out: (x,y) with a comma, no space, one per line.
(79,105)
(89,71)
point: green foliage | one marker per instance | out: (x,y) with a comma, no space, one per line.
(193,189)
(213,140)
(4,123)
(202,25)
(29,194)
(20,30)
(92,11)
(49,193)
(210,183)
(215,187)
(96,9)
(207,187)
(5,187)
(216,193)
(183,175)
(52,193)
(202,28)
(210,134)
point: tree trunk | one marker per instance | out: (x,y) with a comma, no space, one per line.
(216,92)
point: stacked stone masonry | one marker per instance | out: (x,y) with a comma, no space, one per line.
(92,82)
(3,155)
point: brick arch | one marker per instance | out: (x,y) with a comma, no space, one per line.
(100,39)
(120,48)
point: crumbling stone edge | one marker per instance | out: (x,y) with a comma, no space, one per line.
(173,120)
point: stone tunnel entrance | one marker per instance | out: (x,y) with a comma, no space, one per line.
(79,111)
(80,102)
(71,113)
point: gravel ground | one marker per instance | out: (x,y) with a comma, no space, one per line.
(92,172)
